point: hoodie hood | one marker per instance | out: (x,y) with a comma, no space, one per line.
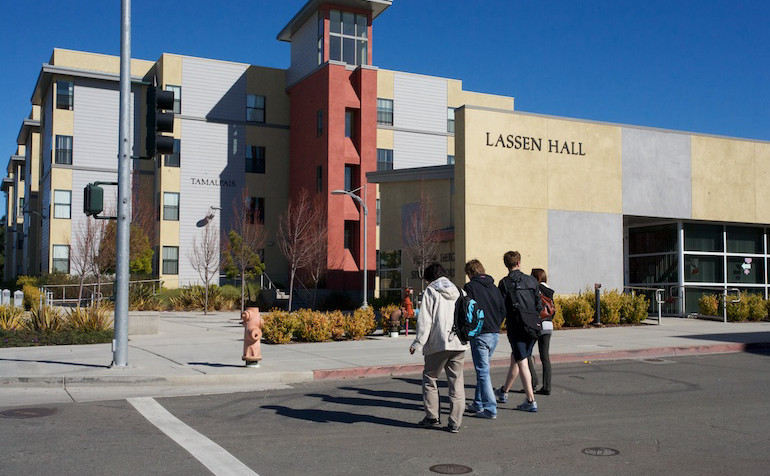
(484,279)
(445,288)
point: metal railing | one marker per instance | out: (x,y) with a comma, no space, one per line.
(659,299)
(91,292)
(725,290)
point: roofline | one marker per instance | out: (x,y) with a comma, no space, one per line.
(434,172)
(312,6)
(26,125)
(48,70)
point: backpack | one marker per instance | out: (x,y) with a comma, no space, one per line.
(549,309)
(469,318)
(526,313)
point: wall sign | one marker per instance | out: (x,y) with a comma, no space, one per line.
(212,182)
(518,142)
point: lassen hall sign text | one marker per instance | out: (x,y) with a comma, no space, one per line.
(512,141)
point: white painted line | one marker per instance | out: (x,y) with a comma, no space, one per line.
(213,456)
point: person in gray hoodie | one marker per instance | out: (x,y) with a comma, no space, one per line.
(441,347)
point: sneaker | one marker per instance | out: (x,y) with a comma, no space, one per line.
(453,428)
(543,391)
(502,397)
(472,408)
(429,422)
(486,414)
(527,406)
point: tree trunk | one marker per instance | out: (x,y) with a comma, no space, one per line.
(291,287)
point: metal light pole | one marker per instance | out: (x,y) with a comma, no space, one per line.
(120,343)
(365,214)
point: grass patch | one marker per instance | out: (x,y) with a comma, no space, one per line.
(26,338)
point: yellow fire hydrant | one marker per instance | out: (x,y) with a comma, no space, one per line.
(252,334)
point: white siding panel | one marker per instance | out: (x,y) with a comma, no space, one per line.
(212,176)
(213,89)
(304,51)
(419,103)
(411,149)
(81,178)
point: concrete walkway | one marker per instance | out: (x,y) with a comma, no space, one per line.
(196,354)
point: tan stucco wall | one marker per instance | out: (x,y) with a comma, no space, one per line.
(384,84)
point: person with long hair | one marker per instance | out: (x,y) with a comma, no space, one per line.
(543,337)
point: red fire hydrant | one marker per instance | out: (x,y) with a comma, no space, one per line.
(252,334)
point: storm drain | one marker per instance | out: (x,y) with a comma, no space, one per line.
(450,469)
(24,413)
(599,451)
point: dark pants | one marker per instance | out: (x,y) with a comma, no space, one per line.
(543,342)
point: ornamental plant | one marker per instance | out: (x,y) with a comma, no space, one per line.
(361,323)
(45,319)
(611,302)
(278,326)
(634,308)
(11,318)
(385,312)
(708,305)
(90,318)
(576,311)
(313,326)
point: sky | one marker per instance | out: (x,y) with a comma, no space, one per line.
(698,66)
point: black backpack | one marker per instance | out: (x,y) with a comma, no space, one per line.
(525,303)
(469,318)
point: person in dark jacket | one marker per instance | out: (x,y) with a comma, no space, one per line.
(482,289)
(543,338)
(522,309)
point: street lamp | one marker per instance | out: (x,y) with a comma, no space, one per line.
(365,213)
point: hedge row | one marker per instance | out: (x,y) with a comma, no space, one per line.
(751,307)
(305,325)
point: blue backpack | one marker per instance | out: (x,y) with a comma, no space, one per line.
(469,318)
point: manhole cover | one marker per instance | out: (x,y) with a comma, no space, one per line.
(598,451)
(450,469)
(22,413)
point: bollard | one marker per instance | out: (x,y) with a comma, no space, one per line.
(598,319)
(18,299)
(252,334)
(6,297)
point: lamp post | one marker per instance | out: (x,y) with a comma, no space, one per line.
(365,213)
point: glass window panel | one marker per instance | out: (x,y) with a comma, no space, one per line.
(348,24)
(320,25)
(170,260)
(652,239)
(703,237)
(61,258)
(692,295)
(62,204)
(450,159)
(335,48)
(361,52)
(349,50)
(703,269)
(361,22)
(745,270)
(335,21)
(654,269)
(744,239)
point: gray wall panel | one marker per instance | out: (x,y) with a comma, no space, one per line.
(419,103)
(304,51)
(45,233)
(213,89)
(584,248)
(47,139)
(656,174)
(418,150)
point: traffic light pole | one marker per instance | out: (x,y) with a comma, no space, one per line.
(120,342)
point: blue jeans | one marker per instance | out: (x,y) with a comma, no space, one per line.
(482,348)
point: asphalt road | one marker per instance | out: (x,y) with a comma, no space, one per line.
(686,415)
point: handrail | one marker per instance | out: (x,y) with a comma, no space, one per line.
(47,291)
(725,291)
(659,292)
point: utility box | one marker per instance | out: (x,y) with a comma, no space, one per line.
(18,299)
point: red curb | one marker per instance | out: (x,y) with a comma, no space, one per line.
(405,369)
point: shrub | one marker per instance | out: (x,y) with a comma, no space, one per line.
(361,323)
(32,296)
(385,312)
(634,309)
(312,326)
(558,317)
(278,327)
(610,303)
(21,281)
(737,311)
(708,305)
(228,291)
(576,311)
(89,319)
(338,324)
(11,318)
(757,307)
(44,319)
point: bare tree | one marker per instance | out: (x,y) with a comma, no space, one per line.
(318,261)
(84,250)
(245,239)
(204,257)
(295,235)
(420,235)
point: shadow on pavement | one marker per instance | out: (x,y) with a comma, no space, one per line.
(211,364)
(326,416)
(56,362)
(368,402)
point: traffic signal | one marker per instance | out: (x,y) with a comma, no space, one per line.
(93,199)
(160,103)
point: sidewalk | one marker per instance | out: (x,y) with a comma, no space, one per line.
(194,354)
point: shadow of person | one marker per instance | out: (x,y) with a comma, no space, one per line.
(367,402)
(327,416)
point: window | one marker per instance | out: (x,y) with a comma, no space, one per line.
(21,206)
(349,232)
(171,206)
(385,112)
(450,159)
(319,123)
(64,95)
(348,37)
(63,150)
(62,204)
(349,172)
(177,90)
(256,210)
(384,159)
(319,179)
(379,212)
(61,259)
(320,37)
(172,160)
(170,260)
(255,159)
(350,122)
(255,108)
(450,120)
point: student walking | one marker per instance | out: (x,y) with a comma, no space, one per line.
(482,289)
(543,337)
(441,347)
(522,306)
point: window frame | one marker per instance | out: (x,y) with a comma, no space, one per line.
(177,90)
(63,155)
(384,113)
(171,209)
(169,265)
(386,164)
(175,159)
(253,110)
(60,207)
(342,39)
(450,120)
(253,162)
(59,260)
(69,103)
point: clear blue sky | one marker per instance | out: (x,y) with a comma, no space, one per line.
(701,66)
